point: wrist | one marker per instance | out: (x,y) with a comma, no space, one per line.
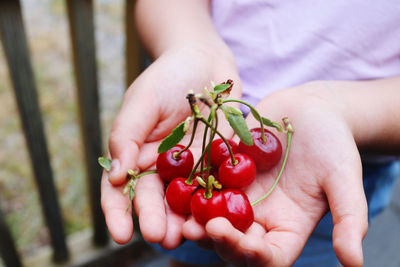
(216,53)
(165,25)
(370,110)
(183,68)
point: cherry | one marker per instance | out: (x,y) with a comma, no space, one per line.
(219,151)
(169,167)
(179,194)
(240,213)
(204,209)
(239,175)
(265,154)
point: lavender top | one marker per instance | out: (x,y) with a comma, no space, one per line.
(279,44)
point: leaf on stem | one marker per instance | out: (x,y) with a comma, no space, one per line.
(238,124)
(126,188)
(265,121)
(105,163)
(274,124)
(173,139)
(131,193)
(220,88)
(255,115)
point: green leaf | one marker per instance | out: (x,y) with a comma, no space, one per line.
(220,88)
(126,188)
(105,163)
(238,124)
(173,139)
(265,121)
(255,114)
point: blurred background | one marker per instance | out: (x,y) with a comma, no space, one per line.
(47,30)
(46,26)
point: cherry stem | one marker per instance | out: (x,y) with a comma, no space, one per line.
(203,145)
(209,187)
(201,182)
(177,154)
(202,170)
(290,132)
(130,186)
(234,161)
(189,180)
(145,173)
(192,102)
(212,134)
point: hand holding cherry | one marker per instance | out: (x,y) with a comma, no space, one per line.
(234,170)
(324,166)
(322,173)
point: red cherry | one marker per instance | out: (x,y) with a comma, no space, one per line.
(219,151)
(204,209)
(240,213)
(240,175)
(179,194)
(265,154)
(169,167)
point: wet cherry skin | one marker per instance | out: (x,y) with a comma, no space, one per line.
(240,213)
(240,175)
(179,194)
(204,209)
(219,151)
(169,167)
(265,154)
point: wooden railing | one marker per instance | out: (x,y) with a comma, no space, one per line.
(14,41)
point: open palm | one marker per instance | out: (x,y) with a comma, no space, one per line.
(323,172)
(153,106)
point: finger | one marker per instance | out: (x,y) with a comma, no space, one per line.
(150,208)
(173,236)
(130,129)
(256,229)
(348,205)
(256,252)
(148,155)
(276,248)
(118,218)
(225,238)
(192,230)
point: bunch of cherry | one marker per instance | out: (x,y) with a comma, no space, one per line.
(213,186)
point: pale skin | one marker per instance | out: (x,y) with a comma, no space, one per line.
(324,170)
(332,120)
(162,88)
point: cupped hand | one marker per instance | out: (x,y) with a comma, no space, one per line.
(154,105)
(323,172)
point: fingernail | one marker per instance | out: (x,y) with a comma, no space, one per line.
(114,168)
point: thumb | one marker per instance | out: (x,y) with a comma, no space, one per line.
(349,212)
(130,130)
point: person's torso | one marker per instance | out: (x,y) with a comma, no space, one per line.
(279,44)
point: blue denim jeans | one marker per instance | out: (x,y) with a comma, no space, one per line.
(379,179)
